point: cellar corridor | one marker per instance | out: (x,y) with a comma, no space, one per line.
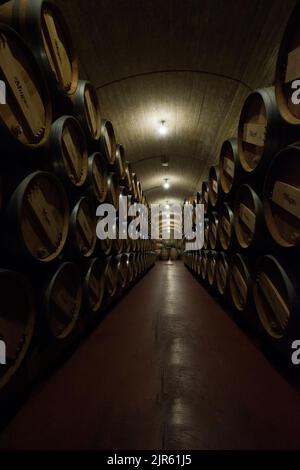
(166,368)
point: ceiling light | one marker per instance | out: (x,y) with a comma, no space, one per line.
(163,130)
(167,206)
(166,184)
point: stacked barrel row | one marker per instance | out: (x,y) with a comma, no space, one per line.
(59,161)
(250,256)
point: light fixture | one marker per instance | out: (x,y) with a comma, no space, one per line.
(163,130)
(166,184)
(167,206)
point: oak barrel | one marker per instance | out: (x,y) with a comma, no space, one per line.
(82,234)
(96,182)
(108,145)
(87,109)
(229,167)
(226,227)
(214,186)
(248,218)
(94,285)
(240,282)
(213,230)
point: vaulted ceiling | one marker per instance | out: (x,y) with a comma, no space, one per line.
(190,63)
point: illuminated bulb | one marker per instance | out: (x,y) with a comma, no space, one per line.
(163,130)
(167,206)
(166,184)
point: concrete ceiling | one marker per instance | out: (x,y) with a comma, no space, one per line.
(190,63)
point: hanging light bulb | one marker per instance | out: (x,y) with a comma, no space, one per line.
(166,184)
(163,130)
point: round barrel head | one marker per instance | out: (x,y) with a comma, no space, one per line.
(225,226)
(63,298)
(74,150)
(245,216)
(108,144)
(252,132)
(111,276)
(94,285)
(272,296)
(282,198)
(59,52)
(26,112)
(98,177)
(227,166)
(222,273)
(17,319)
(83,223)
(121,162)
(288,70)
(39,210)
(239,280)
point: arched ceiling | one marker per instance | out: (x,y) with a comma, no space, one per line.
(190,63)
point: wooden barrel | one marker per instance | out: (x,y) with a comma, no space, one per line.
(213,230)
(111,276)
(96,182)
(222,273)
(204,263)
(240,282)
(205,195)
(25,119)
(47,33)
(108,145)
(94,285)
(214,186)
(288,69)
(206,233)
(199,263)
(38,218)
(87,109)
(276,296)
(134,187)
(113,192)
(174,254)
(122,270)
(261,130)
(17,320)
(248,218)
(106,246)
(211,267)
(67,153)
(226,227)
(62,301)
(130,268)
(118,243)
(121,162)
(82,234)
(282,197)
(128,177)
(229,167)
(165,254)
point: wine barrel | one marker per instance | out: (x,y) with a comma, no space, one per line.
(47,33)
(222,273)
(122,270)
(130,269)
(62,301)
(214,186)
(17,320)
(87,109)
(204,262)
(121,162)
(288,69)
(206,233)
(134,187)
(261,130)
(165,254)
(25,119)
(240,282)
(229,167)
(82,234)
(128,177)
(94,285)
(226,227)
(96,182)
(199,264)
(174,254)
(67,153)
(205,195)
(113,193)
(276,296)
(106,246)
(111,276)
(38,218)
(282,197)
(248,218)
(213,230)
(211,267)
(118,243)
(108,145)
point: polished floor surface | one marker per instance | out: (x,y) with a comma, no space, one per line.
(166,369)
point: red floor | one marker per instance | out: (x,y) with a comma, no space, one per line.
(166,369)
